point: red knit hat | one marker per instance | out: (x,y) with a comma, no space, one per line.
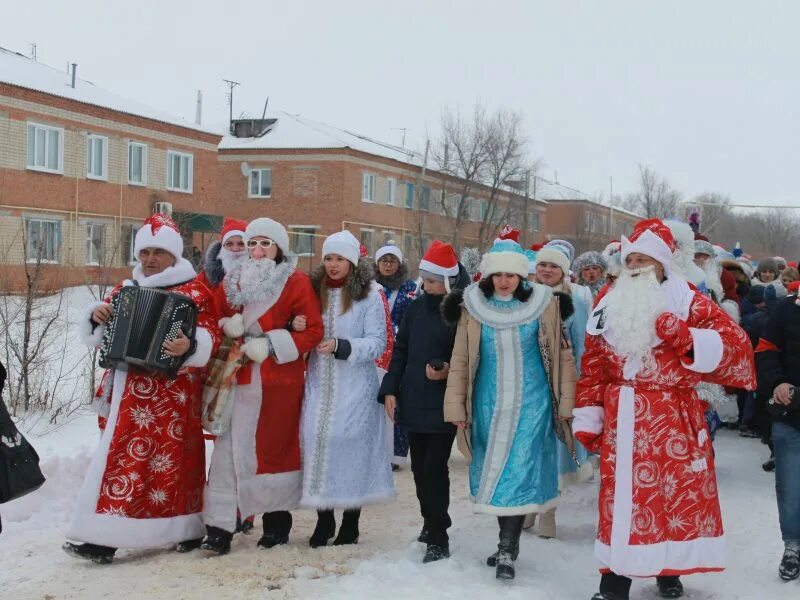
(440,259)
(509,233)
(651,238)
(232,227)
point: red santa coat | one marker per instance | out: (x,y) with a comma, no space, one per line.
(658,504)
(256,463)
(144,486)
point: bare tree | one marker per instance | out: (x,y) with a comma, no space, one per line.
(778,232)
(655,198)
(715,208)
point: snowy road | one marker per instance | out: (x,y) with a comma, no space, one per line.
(386,562)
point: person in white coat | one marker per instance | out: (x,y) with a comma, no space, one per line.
(346,462)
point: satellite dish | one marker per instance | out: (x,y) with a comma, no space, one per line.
(246,169)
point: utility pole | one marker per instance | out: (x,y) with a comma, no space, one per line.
(231,85)
(525,225)
(403,129)
(611,204)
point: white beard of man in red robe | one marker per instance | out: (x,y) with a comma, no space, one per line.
(144,486)
(650,341)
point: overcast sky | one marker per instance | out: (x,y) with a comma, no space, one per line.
(705,92)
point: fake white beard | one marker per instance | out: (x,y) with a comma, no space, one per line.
(250,281)
(230,259)
(713,281)
(632,308)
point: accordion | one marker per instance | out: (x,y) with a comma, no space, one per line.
(144,318)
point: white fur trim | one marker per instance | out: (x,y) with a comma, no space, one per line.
(114,530)
(504,262)
(166,239)
(283,346)
(181,272)
(707,347)
(511,511)
(393,250)
(268,228)
(588,419)
(551,255)
(202,352)
(233,326)
(257,349)
(648,560)
(478,306)
(89,334)
(319,503)
(230,234)
(649,244)
(731,309)
(426,265)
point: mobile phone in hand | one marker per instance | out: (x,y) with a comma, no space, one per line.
(437,364)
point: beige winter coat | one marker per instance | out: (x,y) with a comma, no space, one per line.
(556,356)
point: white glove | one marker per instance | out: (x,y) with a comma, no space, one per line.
(257,349)
(234,326)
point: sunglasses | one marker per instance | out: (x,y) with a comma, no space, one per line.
(262,243)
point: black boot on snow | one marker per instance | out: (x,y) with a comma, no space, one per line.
(101,555)
(188,545)
(217,540)
(491,561)
(348,532)
(435,552)
(277,526)
(608,596)
(504,567)
(769,466)
(424,535)
(669,586)
(325,529)
(790,564)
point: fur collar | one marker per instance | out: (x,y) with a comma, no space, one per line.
(451,307)
(477,305)
(359,285)
(181,272)
(565,305)
(393,282)
(212,265)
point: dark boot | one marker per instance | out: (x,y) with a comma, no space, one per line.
(188,545)
(217,540)
(436,552)
(790,564)
(613,587)
(277,526)
(423,535)
(101,555)
(508,547)
(669,586)
(348,532)
(325,529)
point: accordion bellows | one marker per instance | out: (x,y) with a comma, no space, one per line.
(144,318)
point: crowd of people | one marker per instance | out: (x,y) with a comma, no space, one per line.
(542,366)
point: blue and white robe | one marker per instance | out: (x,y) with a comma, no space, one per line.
(513,470)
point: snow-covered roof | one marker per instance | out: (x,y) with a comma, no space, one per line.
(555,192)
(293,132)
(21,71)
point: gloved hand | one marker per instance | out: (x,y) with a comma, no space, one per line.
(675,332)
(234,326)
(257,349)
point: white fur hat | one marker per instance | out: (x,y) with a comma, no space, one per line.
(159,231)
(264,227)
(390,249)
(558,254)
(344,244)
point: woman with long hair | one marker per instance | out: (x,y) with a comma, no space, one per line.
(510,391)
(346,462)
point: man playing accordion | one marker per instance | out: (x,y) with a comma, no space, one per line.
(144,486)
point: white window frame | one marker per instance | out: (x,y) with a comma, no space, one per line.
(258,171)
(372,240)
(90,247)
(30,162)
(132,145)
(56,244)
(92,142)
(305,230)
(190,171)
(391,191)
(425,198)
(132,258)
(368,181)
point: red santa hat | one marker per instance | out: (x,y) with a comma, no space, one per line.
(508,233)
(537,247)
(651,238)
(159,231)
(232,227)
(440,259)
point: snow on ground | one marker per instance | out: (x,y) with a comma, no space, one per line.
(387,561)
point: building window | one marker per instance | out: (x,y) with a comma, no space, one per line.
(128,243)
(180,171)
(366,240)
(43,240)
(408,243)
(260,183)
(137,163)
(303,240)
(409,195)
(425,198)
(589,221)
(45,148)
(391,191)
(483,210)
(95,241)
(368,187)
(389,237)
(535,221)
(96,157)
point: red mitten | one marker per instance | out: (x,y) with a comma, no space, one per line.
(675,332)
(593,442)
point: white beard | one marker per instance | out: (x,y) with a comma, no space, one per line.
(713,281)
(231,259)
(632,307)
(249,281)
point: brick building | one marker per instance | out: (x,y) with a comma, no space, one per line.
(80,168)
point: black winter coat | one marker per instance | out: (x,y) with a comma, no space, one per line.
(423,336)
(781,365)
(756,323)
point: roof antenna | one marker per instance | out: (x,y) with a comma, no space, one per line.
(231,85)
(264,114)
